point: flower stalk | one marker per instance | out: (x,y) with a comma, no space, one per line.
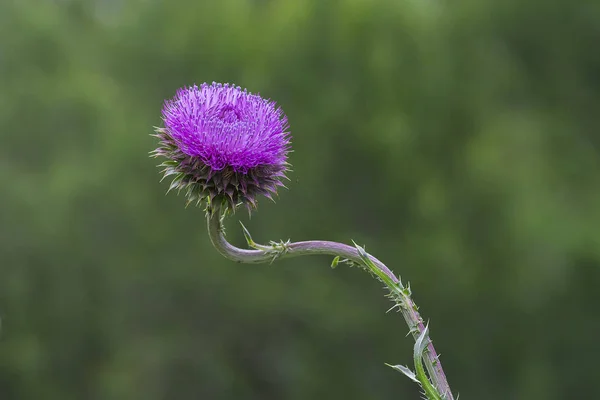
(438,387)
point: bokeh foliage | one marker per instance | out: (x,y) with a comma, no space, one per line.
(458,140)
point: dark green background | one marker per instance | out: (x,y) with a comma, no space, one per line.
(459,141)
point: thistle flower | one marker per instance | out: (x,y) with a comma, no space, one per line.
(223,145)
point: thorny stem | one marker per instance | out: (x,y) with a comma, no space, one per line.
(314,247)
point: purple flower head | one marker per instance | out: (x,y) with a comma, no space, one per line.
(223,145)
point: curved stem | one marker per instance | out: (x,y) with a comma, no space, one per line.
(315,247)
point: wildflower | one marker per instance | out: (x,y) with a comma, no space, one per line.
(223,145)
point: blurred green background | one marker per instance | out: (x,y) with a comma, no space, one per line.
(459,141)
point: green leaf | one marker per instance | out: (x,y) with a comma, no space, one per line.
(248,237)
(406,371)
(421,343)
(335,262)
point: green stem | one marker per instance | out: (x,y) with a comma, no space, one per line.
(266,254)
